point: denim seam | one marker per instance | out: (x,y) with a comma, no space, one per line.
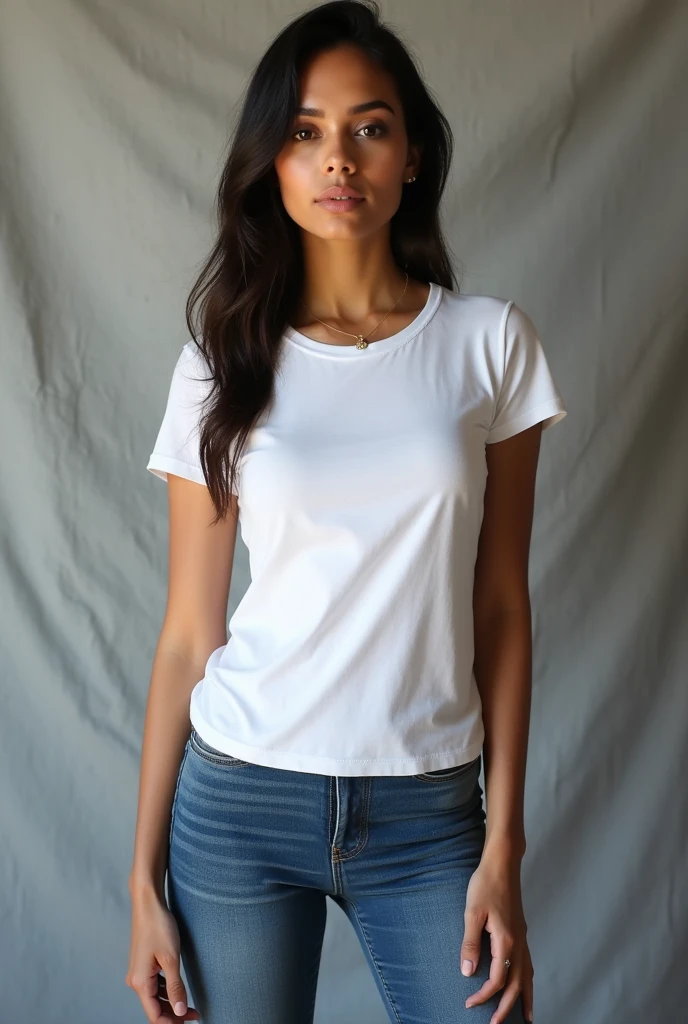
(461,770)
(222,764)
(232,761)
(364,822)
(374,959)
(314,985)
(331,838)
(176,792)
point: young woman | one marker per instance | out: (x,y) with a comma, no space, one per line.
(376,434)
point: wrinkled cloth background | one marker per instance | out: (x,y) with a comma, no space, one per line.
(569,195)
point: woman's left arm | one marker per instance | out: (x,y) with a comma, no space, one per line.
(503,672)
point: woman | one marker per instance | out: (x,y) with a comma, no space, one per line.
(377,434)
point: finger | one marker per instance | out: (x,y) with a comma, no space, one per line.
(172,986)
(167,1003)
(470,947)
(506,1003)
(147,991)
(498,973)
(527,999)
(169,1015)
(491,986)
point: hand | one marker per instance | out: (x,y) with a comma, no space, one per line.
(155,947)
(493,902)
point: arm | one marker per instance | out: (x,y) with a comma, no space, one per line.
(502,631)
(194,625)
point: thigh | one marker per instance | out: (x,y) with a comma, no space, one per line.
(251,938)
(406,895)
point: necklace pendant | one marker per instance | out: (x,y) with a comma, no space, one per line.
(361,343)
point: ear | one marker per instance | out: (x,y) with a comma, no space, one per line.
(414,153)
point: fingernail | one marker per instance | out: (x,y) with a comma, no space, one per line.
(466,966)
(179,1009)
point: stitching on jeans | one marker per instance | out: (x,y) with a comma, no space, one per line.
(458,772)
(176,793)
(314,985)
(218,761)
(329,815)
(364,816)
(228,760)
(377,966)
(330,841)
(201,747)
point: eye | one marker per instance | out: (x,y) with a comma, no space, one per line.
(298,132)
(376,127)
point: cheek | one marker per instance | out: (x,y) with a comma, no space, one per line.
(386,190)
(294,177)
(384,172)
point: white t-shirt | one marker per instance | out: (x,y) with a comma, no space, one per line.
(361,501)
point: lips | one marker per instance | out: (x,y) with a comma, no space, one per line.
(339,191)
(340,205)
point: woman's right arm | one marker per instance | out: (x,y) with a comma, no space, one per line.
(194,625)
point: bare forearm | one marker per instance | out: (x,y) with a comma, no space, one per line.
(503,670)
(166,730)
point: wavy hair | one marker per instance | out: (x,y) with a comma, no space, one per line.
(248,288)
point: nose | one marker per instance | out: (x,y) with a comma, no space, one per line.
(339,157)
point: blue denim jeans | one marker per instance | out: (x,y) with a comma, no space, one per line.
(255,851)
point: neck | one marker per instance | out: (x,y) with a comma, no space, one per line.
(347,282)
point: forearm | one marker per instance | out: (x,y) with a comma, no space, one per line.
(503,670)
(166,730)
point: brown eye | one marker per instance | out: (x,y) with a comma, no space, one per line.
(375,127)
(298,132)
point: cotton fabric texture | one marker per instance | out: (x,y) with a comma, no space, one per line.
(361,501)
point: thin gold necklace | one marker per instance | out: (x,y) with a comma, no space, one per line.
(360,342)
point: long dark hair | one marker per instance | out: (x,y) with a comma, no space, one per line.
(248,287)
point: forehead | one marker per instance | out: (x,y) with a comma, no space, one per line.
(337,79)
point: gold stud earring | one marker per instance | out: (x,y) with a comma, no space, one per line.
(408,180)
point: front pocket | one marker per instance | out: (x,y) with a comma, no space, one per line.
(175,798)
(203,749)
(448,774)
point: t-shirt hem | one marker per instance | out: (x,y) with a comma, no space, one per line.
(161,465)
(549,412)
(319,765)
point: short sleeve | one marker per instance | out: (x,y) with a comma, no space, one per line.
(528,393)
(176,449)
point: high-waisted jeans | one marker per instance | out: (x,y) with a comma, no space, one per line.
(255,851)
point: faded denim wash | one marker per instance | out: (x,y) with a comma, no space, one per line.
(255,851)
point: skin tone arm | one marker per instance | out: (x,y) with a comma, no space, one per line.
(502,628)
(503,667)
(194,625)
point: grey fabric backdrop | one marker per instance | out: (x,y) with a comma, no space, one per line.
(569,195)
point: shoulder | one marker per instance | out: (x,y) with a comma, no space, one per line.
(475,314)
(192,356)
(475,325)
(191,369)
(189,351)
(492,324)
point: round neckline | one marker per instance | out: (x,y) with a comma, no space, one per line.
(388,344)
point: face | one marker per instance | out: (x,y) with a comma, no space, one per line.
(335,142)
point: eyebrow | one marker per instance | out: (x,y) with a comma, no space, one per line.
(360,108)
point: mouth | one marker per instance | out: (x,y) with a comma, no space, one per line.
(340,204)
